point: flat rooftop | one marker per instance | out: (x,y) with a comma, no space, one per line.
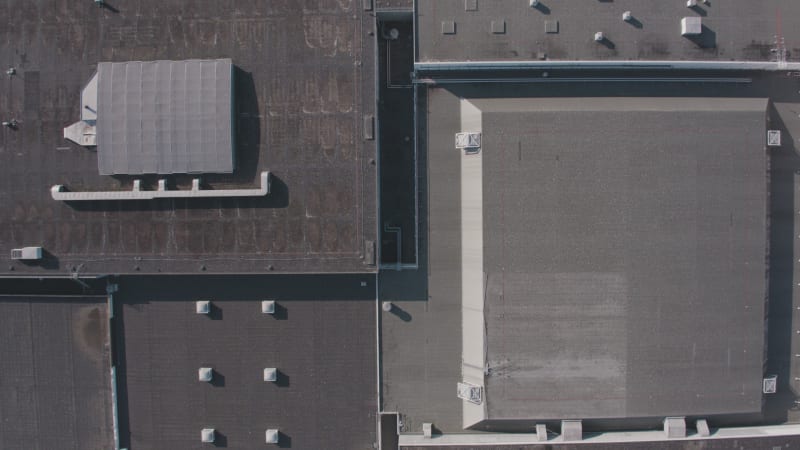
(624,240)
(483,30)
(55,388)
(423,337)
(321,339)
(304,84)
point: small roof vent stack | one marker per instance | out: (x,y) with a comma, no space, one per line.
(268,307)
(773,138)
(599,37)
(205,374)
(207,435)
(272,436)
(627,16)
(770,385)
(203,307)
(270,374)
(691,26)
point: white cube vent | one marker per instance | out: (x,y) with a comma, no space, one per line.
(207,435)
(270,374)
(203,307)
(273,436)
(599,37)
(691,3)
(773,138)
(205,374)
(691,26)
(268,307)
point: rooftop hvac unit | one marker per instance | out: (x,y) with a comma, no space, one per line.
(270,374)
(773,138)
(468,140)
(770,384)
(205,374)
(268,306)
(273,436)
(470,393)
(207,435)
(203,307)
(27,253)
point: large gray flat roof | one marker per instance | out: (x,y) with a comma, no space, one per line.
(301,98)
(321,339)
(55,386)
(165,117)
(624,251)
(733,30)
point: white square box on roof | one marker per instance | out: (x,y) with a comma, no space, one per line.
(691,26)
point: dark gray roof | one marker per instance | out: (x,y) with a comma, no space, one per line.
(165,117)
(301,98)
(733,30)
(321,339)
(55,388)
(624,240)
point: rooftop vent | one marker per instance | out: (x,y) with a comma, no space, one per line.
(470,393)
(773,138)
(203,307)
(627,16)
(599,37)
(27,253)
(691,3)
(268,307)
(468,140)
(273,436)
(691,26)
(205,374)
(771,384)
(270,374)
(207,435)
(499,26)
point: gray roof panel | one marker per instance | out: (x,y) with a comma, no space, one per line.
(165,117)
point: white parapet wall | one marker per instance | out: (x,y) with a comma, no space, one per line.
(495,439)
(60,192)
